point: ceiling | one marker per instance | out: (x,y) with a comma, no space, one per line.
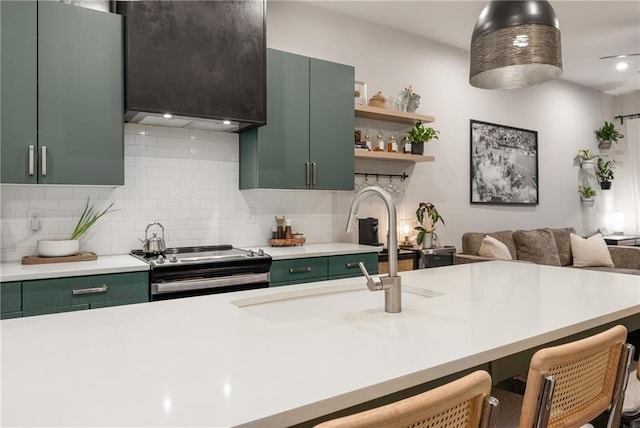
(590,30)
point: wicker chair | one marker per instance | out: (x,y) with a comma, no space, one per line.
(570,385)
(465,402)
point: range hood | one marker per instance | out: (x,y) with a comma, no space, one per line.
(195,64)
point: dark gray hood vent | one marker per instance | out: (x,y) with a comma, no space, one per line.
(202,62)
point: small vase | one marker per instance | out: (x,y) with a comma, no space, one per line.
(605,185)
(417,148)
(428,240)
(604,144)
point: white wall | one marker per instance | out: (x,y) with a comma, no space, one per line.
(564,114)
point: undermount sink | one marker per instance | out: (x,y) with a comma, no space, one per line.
(322,302)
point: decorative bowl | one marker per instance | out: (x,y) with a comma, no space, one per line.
(58,247)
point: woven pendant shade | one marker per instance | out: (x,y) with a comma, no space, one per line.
(515,44)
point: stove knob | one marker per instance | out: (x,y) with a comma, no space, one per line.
(261,252)
(251,253)
(160,259)
(173,259)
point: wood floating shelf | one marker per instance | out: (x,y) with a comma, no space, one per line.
(377,113)
(397,157)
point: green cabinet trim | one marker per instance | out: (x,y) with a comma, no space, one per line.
(309,131)
(62,95)
(57,295)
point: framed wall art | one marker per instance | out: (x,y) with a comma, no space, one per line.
(504,164)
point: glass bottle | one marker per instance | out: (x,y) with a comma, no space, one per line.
(406,144)
(367,140)
(392,145)
(287,229)
(380,143)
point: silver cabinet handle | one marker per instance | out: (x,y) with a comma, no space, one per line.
(90,290)
(314,177)
(352,265)
(43,160)
(32,161)
(300,270)
(308,171)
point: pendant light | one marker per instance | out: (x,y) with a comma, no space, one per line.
(515,44)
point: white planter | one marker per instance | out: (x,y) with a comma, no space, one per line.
(58,247)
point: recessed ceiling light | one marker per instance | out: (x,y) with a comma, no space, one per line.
(226,122)
(167,116)
(621,66)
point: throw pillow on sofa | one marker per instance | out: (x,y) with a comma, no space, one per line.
(491,247)
(590,252)
(537,246)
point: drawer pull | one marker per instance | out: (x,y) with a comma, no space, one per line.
(352,265)
(90,290)
(300,270)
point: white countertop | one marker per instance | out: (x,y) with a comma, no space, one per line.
(204,361)
(316,250)
(15,271)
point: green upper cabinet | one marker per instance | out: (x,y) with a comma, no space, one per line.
(306,143)
(72,99)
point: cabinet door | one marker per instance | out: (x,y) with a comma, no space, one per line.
(296,271)
(18,92)
(332,124)
(346,266)
(80,95)
(274,156)
(10,299)
(83,292)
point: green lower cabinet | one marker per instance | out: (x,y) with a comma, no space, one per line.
(347,266)
(10,300)
(313,269)
(296,271)
(83,292)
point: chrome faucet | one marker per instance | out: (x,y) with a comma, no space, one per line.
(391,283)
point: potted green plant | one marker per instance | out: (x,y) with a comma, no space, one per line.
(71,245)
(604,172)
(419,135)
(606,134)
(587,194)
(427,216)
(584,158)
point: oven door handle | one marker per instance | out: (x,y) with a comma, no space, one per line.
(203,283)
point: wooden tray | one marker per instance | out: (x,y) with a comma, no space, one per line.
(78,257)
(286,242)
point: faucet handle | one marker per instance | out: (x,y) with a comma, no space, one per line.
(372,284)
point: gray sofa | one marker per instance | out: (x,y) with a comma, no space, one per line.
(536,246)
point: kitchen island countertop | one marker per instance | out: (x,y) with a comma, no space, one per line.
(15,271)
(272,358)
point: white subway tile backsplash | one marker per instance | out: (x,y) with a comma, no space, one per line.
(185,179)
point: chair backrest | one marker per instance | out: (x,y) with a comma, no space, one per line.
(587,376)
(462,403)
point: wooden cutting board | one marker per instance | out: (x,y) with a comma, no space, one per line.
(38,260)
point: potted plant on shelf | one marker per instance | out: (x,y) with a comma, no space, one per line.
(606,134)
(587,194)
(419,135)
(427,216)
(584,158)
(604,172)
(71,246)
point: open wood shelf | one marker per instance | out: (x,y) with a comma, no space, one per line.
(397,157)
(377,113)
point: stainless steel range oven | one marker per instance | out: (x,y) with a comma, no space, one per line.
(195,271)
